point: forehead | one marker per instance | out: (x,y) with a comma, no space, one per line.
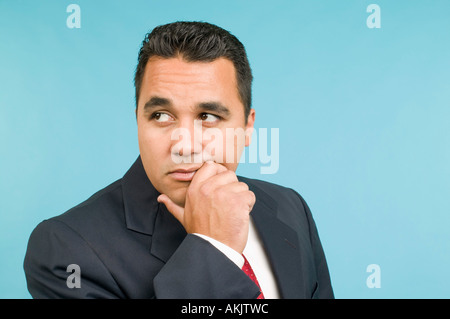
(190,82)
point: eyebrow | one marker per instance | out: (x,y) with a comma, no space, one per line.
(156,101)
(213,106)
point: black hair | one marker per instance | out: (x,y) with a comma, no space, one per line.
(196,41)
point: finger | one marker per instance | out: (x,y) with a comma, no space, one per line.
(251,197)
(174,209)
(241,193)
(224,178)
(235,187)
(207,170)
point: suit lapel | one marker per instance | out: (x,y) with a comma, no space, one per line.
(145,215)
(167,236)
(139,199)
(280,242)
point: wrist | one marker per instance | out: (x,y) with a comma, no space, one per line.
(232,254)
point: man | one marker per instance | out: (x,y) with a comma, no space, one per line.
(180,223)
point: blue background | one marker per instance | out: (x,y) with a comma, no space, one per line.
(364,118)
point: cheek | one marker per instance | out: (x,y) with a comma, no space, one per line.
(235,143)
(153,145)
(153,151)
(224,146)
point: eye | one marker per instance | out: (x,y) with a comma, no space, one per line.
(160,117)
(209,118)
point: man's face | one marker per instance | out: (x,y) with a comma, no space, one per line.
(188,113)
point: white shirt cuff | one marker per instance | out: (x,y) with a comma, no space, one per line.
(232,254)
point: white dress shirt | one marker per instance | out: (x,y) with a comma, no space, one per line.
(256,256)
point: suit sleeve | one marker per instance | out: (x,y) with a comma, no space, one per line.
(324,289)
(198,270)
(52,247)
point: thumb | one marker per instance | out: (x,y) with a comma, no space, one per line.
(174,209)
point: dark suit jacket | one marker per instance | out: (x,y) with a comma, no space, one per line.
(127,245)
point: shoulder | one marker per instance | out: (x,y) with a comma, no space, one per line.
(106,204)
(289,205)
(84,221)
(77,236)
(281,194)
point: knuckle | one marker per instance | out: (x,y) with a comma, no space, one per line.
(244,186)
(221,196)
(232,174)
(252,197)
(229,174)
(204,189)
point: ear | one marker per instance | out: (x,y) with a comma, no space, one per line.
(249,127)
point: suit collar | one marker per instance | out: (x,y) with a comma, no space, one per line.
(145,215)
(139,198)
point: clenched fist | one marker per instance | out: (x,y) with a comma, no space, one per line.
(217,205)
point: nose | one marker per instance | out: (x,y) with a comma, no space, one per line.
(187,142)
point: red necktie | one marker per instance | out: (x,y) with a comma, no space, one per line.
(249,272)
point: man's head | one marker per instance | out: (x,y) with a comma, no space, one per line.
(196,42)
(191,73)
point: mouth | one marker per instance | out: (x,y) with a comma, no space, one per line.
(183,175)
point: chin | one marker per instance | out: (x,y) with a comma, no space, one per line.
(180,202)
(178,196)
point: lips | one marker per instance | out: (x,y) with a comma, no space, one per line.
(183,175)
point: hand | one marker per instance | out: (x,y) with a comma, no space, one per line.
(217,205)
